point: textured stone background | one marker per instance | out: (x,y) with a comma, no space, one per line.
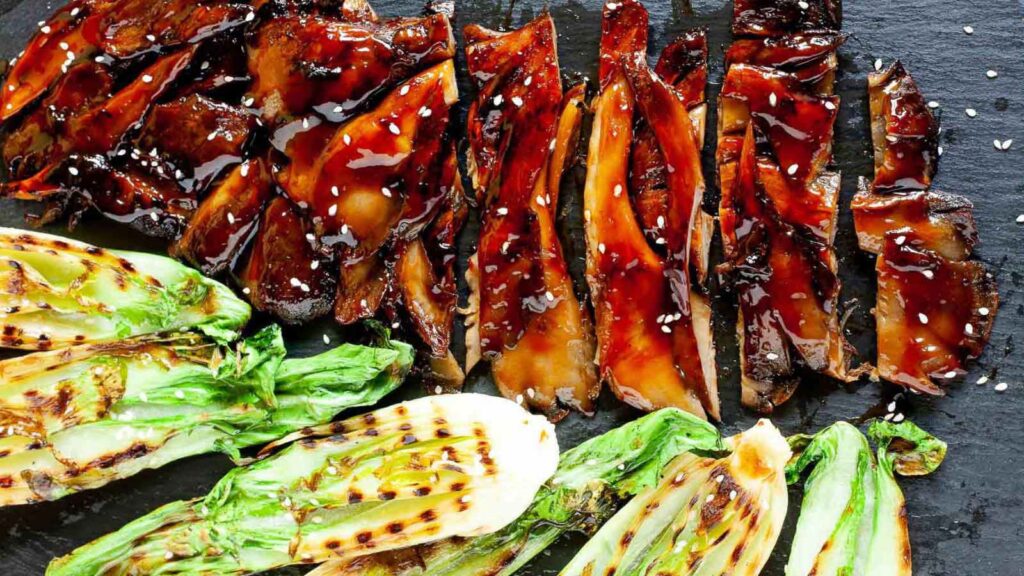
(964,520)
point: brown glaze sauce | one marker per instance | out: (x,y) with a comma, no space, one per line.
(522,130)
(935,308)
(779,200)
(291,145)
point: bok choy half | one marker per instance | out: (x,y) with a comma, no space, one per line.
(55,292)
(591,481)
(420,471)
(83,416)
(853,518)
(707,517)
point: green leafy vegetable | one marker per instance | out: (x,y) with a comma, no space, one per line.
(433,468)
(56,292)
(853,517)
(80,417)
(707,517)
(590,482)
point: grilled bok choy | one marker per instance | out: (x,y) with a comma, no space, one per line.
(590,482)
(55,292)
(853,519)
(83,416)
(707,516)
(432,468)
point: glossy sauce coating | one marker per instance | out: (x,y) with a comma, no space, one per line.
(935,308)
(779,200)
(653,327)
(522,131)
(226,128)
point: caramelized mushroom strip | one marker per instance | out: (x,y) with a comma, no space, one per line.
(302,64)
(522,134)
(284,275)
(59,43)
(935,308)
(653,327)
(779,198)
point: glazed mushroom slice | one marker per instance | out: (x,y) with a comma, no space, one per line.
(197,137)
(280,276)
(781,17)
(935,308)
(783,269)
(653,327)
(779,201)
(904,132)
(46,59)
(526,319)
(811,58)
(131,28)
(933,314)
(683,65)
(302,64)
(942,223)
(227,219)
(41,138)
(152,204)
(357,185)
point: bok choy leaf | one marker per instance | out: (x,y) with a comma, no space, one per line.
(424,470)
(81,417)
(853,517)
(590,483)
(55,292)
(707,517)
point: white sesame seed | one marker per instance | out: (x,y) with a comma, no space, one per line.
(517,101)
(327,339)
(773,99)
(295,282)
(891,407)
(969,329)
(502,211)
(498,100)
(168,555)
(73,171)
(244,171)
(1020,219)
(732,495)
(878,64)
(922,318)
(983,380)
(147,78)
(971,112)
(250,16)
(246,290)
(710,498)
(531,392)
(404,90)
(45,29)
(1007,143)
(803,5)
(528,81)
(928,274)
(983,311)
(549,296)
(179,394)
(968,30)
(898,418)
(933,104)
(540,200)
(314,264)
(900,240)
(829,105)
(231,218)
(438,390)
(519,398)
(385,191)
(992,74)
(666,329)
(951,374)
(618,190)
(792,169)
(333,210)
(601,248)
(771,356)
(1001,387)
(393,128)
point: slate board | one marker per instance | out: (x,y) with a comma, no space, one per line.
(964,520)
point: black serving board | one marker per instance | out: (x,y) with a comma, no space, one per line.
(967,519)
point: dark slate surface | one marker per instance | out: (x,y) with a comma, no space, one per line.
(967,518)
